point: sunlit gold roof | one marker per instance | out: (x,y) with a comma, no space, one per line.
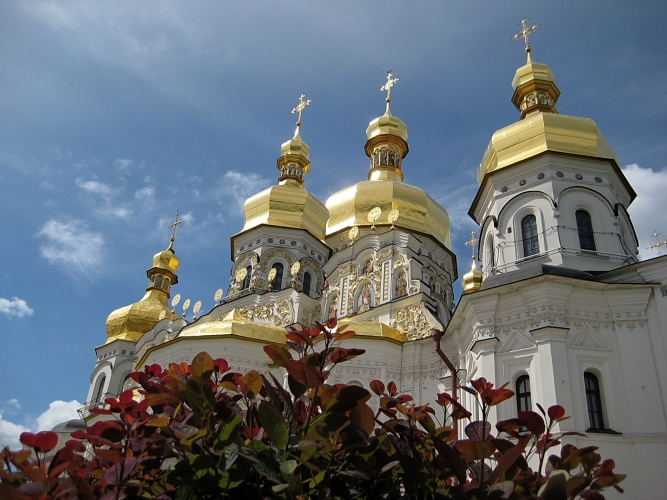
(374,329)
(417,210)
(234,324)
(540,127)
(131,322)
(286,206)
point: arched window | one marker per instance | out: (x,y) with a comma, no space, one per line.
(585,230)
(593,401)
(306,283)
(529,234)
(523,402)
(246,280)
(488,255)
(100,389)
(277,282)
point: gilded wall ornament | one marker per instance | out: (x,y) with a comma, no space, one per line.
(411,321)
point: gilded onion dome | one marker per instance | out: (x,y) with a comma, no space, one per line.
(540,128)
(131,322)
(288,204)
(387,147)
(472,280)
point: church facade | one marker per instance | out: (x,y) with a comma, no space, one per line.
(561,308)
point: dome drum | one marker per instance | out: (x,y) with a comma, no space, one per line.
(292,167)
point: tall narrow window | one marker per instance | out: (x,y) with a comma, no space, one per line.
(246,280)
(277,282)
(523,402)
(585,230)
(529,234)
(593,401)
(306,283)
(488,258)
(100,390)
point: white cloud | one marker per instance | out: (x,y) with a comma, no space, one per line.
(15,307)
(240,186)
(123,163)
(9,433)
(14,402)
(649,208)
(95,187)
(59,411)
(71,245)
(145,193)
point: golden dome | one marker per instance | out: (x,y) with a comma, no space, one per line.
(131,322)
(288,204)
(472,280)
(167,260)
(417,210)
(234,324)
(386,147)
(540,127)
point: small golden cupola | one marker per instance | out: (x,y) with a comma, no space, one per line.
(288,204)
(472,280)
(386,148)
(540,128)
(131,322)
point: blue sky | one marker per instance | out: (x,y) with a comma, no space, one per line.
(117,114)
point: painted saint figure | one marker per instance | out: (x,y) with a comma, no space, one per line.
(368,267)
(401,286)
(365,299)
(333,308)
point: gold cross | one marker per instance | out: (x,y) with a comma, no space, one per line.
(173,227)
(300,107)
(525,32)
(387,86)
(658,244)
(471,243)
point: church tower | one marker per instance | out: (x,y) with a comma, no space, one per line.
(551,190)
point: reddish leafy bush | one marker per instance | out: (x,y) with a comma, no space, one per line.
(200,431)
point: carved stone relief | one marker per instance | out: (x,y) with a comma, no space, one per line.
(411,321)
(280,313)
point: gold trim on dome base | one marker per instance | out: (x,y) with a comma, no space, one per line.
(374,330)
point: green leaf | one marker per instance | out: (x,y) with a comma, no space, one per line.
(273,424)
(200,398)
(202,365)
(191,438)
(228,433)
(288,467)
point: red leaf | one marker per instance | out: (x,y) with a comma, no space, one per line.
(305,374)
(220,365)
(45,441)
(363,417)
(27,439)
(556,412)
(377,387)
(475,450)
(534,422)
(280,355)
(392,388)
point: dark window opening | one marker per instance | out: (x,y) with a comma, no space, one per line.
(593,401)
(100,390)
(277,282)
(531,246)
(306,283)
(523,401)
(585,230)
(246,280)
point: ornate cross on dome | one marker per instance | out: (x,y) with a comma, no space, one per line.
(299,109)
(387,86)
(472,242)
(173,227)
(525,32)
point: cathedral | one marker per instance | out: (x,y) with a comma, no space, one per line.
(556,301)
